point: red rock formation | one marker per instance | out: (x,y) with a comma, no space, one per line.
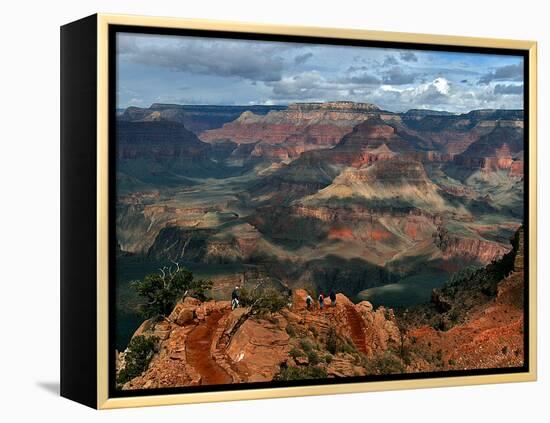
(207,343)
(489,335)
(300,128)
(500,149)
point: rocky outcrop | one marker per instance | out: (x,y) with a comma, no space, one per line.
(207,343)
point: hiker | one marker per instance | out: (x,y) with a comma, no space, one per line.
(309,300)
(289,292)
(235,296)
(332,296)
(321,300)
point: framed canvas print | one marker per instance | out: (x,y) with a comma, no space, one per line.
(254,211)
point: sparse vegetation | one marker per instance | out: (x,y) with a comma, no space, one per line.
(137,358)
(291,330)
(335,343)
(263,302)
(162,290)
(306,345)
(296,352)
(313,357)
(385,363)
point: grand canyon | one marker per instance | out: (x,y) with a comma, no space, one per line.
(414,219)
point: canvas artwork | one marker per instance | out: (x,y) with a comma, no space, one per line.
(290,213)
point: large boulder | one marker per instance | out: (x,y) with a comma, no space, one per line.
(261,346)
(184,311)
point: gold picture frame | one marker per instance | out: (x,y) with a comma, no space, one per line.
(99,28)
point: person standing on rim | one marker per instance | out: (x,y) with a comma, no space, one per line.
(235,297)
(289,293)
(332,297)
(309,301)
(321,301)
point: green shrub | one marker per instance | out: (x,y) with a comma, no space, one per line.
(140,352)
(385,364)
(306,345)
(454,316)
(301,373)
(291,330)
(335,343)
(262,302)
(328,358)
(313,357)
(295,353)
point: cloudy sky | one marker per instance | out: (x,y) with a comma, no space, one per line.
(193,70)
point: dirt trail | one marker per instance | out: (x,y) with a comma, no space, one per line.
(356,326)
(198,352)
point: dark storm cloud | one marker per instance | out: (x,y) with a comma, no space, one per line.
(361,78)
(508,89)
(252,61)
(365,78)
(408,56)
(302,58)
(306,85)
(504,73)
(396,76)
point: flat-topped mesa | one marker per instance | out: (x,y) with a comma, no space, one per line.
(506,114)
(335,105)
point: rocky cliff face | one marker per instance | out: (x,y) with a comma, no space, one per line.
(301,127)
(500,149)
(452,134)
(158,140)
(461,249)
(207,343)
(476,321)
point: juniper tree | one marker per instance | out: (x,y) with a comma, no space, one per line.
(164,289)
